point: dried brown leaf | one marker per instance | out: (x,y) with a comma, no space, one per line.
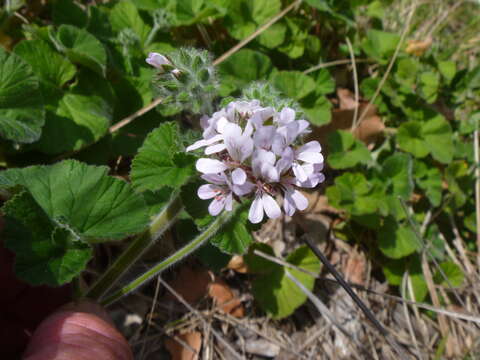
(418,47)
(368,130)
(237,264)
(180,352)
(224,297)
(191,284)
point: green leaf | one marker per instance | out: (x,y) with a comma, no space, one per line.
(438,137)
(325,84)
(82,48)
(429,179)
(398,171)
(320,112)
(257,264)
(380,45)
(294,84)
(433,136)
(236,235)
(429,85)
(21,105)
(376,9)
(346,151)
(45,253)
(277,294)
(352,193)
(459,182)
(98,207)
(296,39)
(453,273)
(161,161)
(68,12)
(46,63)
(124,15)
(396,240)
(410,139)
(242,68)
(394,270)
(448,69)
(273,36)
(82,117)
(245,16)
(188,12)
(419,285)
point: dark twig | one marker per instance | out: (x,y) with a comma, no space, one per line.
(370,316)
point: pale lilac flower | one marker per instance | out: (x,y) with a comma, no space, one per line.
(161,63)
(221,190)
(239,146)
(288,134)
(293,200)
(263,166)
(264,136)
(263,203)
(255,151)
(210,166)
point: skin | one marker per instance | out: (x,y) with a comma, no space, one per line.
(78,331)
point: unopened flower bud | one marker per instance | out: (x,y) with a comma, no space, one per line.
(161,62)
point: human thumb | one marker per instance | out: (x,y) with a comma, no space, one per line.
(78,331)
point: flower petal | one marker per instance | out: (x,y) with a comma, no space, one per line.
(264,136)
(287,115)
(301,202)
(204,142)
(215,178)
(243,189)
(255,214)
(215,148)
(278,144)
(311,146)
(299,172)
(208,191)
(229,202)
(196,145)
(285,162)
(210,166)
(216,206)
(271,207)
(311,157)
(157,60)
(239,176)
(288,204)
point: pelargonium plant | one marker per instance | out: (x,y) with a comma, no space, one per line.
(255,151)
(250,150)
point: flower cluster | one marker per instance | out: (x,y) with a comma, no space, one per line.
(254,151)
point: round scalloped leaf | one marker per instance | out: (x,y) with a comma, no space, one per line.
(236,235)
(97,206)
(21,105)
(48,65)
(45,254)
(162,160)
(82,48)
(242,68)
(396,241)
(277,294)
(82,117)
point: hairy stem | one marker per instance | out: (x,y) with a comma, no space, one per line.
(136,249)
(171,260)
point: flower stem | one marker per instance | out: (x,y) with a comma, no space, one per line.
(136,249)
(177,256)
